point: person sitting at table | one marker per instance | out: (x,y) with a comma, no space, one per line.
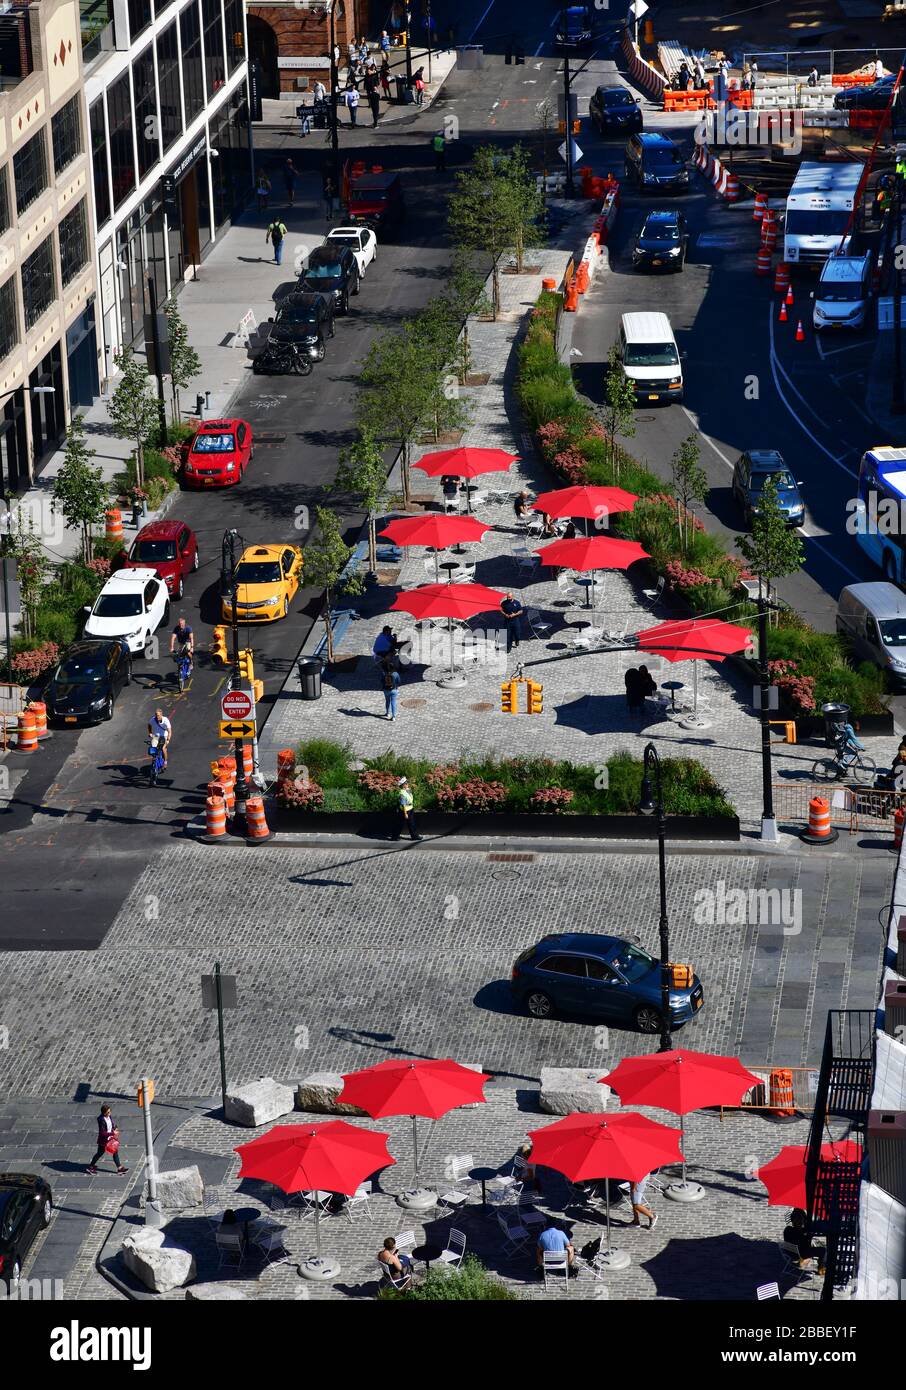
(530,1172)
(797,1233)
(553,1238)
(399,1264)
(647,685)
(569,531)
(548,528)
(521,504)
(387,644)
(450,488)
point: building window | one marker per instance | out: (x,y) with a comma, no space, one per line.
(147,121)
(192,71)
(99,162)
(9,318)
(4,199)
(66,135)
(139,17)
(73,233)
(122,150)
(232,12)
(39,286)
(168,83)
(213,44)
(30,171)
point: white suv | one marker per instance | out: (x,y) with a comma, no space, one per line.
(361,241)
(132,605)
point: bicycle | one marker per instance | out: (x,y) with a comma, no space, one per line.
(846,759)
(156,765)
(183,660)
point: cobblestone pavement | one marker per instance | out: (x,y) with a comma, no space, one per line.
(349,957)
(720,1248)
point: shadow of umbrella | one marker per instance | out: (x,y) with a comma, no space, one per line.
(724,1267)
(593,714)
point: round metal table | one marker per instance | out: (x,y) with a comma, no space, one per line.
(484,1176)
(673,687)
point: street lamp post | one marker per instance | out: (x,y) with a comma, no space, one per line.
(334,108)
(232,547)
(570,186)
(897,402)
(654,805)
(768,821)
(408,47)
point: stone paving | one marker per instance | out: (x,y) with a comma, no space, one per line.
(717,1249)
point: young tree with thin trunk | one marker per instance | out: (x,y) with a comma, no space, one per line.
(363,475)
(79,491)
(526,203)
(133,407)
(774,548)
(436,332)
(326,556)
(32,568)
(618,413)
(185,364)
(546,116)
(690,483)
(481,212)
(465,291)
(397,394)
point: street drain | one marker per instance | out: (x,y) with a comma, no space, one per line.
(501,858)
(413,703)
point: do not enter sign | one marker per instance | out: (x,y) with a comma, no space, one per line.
(236,704)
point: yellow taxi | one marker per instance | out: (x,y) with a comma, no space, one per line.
(266,580)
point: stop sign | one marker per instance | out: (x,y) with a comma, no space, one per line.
(236,704)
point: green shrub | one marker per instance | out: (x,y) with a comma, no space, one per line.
(58,625)
(327,762)
(343,799)
(470,1282)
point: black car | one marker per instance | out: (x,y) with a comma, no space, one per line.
(306,319)
(83,687)
(614,109)
(874,96)
(26,1206)
(574,28)
(655,163)
(663,241)
(332,271)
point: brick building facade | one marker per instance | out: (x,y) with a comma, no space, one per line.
(290,42)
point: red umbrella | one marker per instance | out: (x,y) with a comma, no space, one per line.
(334,1156)
(694,639)
(435,532)
(430,1087)
(465,462)
(586,1147)
(588,501)
(680,1081)
(784,1176)
(448,601)
(592,553)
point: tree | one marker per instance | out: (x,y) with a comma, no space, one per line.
(185,364)
(79,491)
(363,474)
(618,413)
(325,559)
(32,567)
(526,203)
(546,116)
(465,291)
(481,212)
(690,482)
(133,407)
(398,393)
(436,331)
(773,549)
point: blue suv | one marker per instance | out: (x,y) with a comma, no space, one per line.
(582,973)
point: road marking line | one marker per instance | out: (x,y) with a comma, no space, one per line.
(829,352)
(481,21)
(777,368)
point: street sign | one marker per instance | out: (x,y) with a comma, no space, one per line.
(237,728)
(576,152)
(228,997)
(235,704)
(638,8)
(141,1093)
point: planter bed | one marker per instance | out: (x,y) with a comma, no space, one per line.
(615,827)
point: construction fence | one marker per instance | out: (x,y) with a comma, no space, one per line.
(851,808)
(780,1091)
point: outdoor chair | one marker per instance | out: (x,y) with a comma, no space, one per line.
(503,1192)
(654,595)
(309,1200)
(451,1199)
(465,574)
(555,1264)
(230,1248)
(791,1266)
(267,1238)
(515,1234)
(529,1217)
(452,1254)
(360,1201)
(764,1291)
(405,1240)
(401,1282)
(540,627)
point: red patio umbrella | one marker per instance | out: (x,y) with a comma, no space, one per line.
(592,553)
(429,1087)
(435,532)
(694,639)
(333,1156)
(465,461)
(784,1176)
(587,1147)
(587,501)
(448,601)
(681,1081)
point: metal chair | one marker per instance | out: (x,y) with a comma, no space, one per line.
(764,1291)
(452,1254)
(515,1233)
(539,627)
(400,1282)
(653,595)
(555,1263)
(267,1237)
(230,1248)
(360,1201)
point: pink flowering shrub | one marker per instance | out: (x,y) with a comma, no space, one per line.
(473,795)
(300,793)
(551,799)
(549,437)
(372,779)
(679,577)
(571,465)
(442,773)
(799,690)
(30,665)
(99,567)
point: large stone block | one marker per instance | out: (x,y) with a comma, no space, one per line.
(259,1102)
(213,1293)
(158,1266)
(318,1093)
(179,1189)
(566,1089)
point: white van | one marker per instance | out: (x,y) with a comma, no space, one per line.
(873,618)
(650,357)
(841,298)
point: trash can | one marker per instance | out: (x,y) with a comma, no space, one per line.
(400,90)
(835,716)
(310,669)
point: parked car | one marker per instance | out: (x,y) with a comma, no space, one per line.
(26,1206)
(655,163)
(874,96)
(376,201)
(304,319)
(170,548)
(219,453)
(132,605)
(84,685)
(663,241)
(361,241)
(750,473)
(614,110)
(332,271)
(266,579)
(603,976)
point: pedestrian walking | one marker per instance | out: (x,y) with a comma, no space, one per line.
(319,92)
(418,82)
(384,41)
(363,51)
(634,698)
(406,813)
(879,69)
(385,76)
(512,611)
(108,1141)
(701,82)
(639,1206)
(276,233)
(390,684)
(439,146)
(263,191)
(374,102)
(329,191)
(290,173)
(813,77)
(352,101)
(682,79)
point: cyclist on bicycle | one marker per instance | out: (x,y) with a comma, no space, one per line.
(182,642)
(848,744)
(159,733)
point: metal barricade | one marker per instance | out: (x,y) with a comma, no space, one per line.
(760,1098)
(13,699)
(852,808)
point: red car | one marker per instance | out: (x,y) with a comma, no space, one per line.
(219,454)
(170,548)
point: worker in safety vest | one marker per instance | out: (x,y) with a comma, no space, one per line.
(439,146)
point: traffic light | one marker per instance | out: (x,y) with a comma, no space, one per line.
(509,697)
(258,691)
(247,665)
(535,701)
(577,127)
(219,646)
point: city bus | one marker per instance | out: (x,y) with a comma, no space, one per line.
(879,517)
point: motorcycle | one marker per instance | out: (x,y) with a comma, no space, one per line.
(282,359)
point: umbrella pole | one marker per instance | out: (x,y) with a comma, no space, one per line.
(452,656)
(611,1258)
(415,1142)
(684,1191)
(695,687)
(317,1226)
(436,567)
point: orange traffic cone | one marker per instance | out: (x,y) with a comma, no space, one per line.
(789,296)
(800,334)
(783,315)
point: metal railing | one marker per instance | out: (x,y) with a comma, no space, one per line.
(851,808)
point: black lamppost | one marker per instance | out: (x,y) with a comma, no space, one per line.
(570,187)
(654,805)
(334,109)
(408,47)
(897,402)
(232,547)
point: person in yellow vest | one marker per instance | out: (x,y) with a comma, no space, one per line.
(439,146)
(406,811)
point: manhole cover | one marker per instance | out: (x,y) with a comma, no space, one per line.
(482,708)
(413,703)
